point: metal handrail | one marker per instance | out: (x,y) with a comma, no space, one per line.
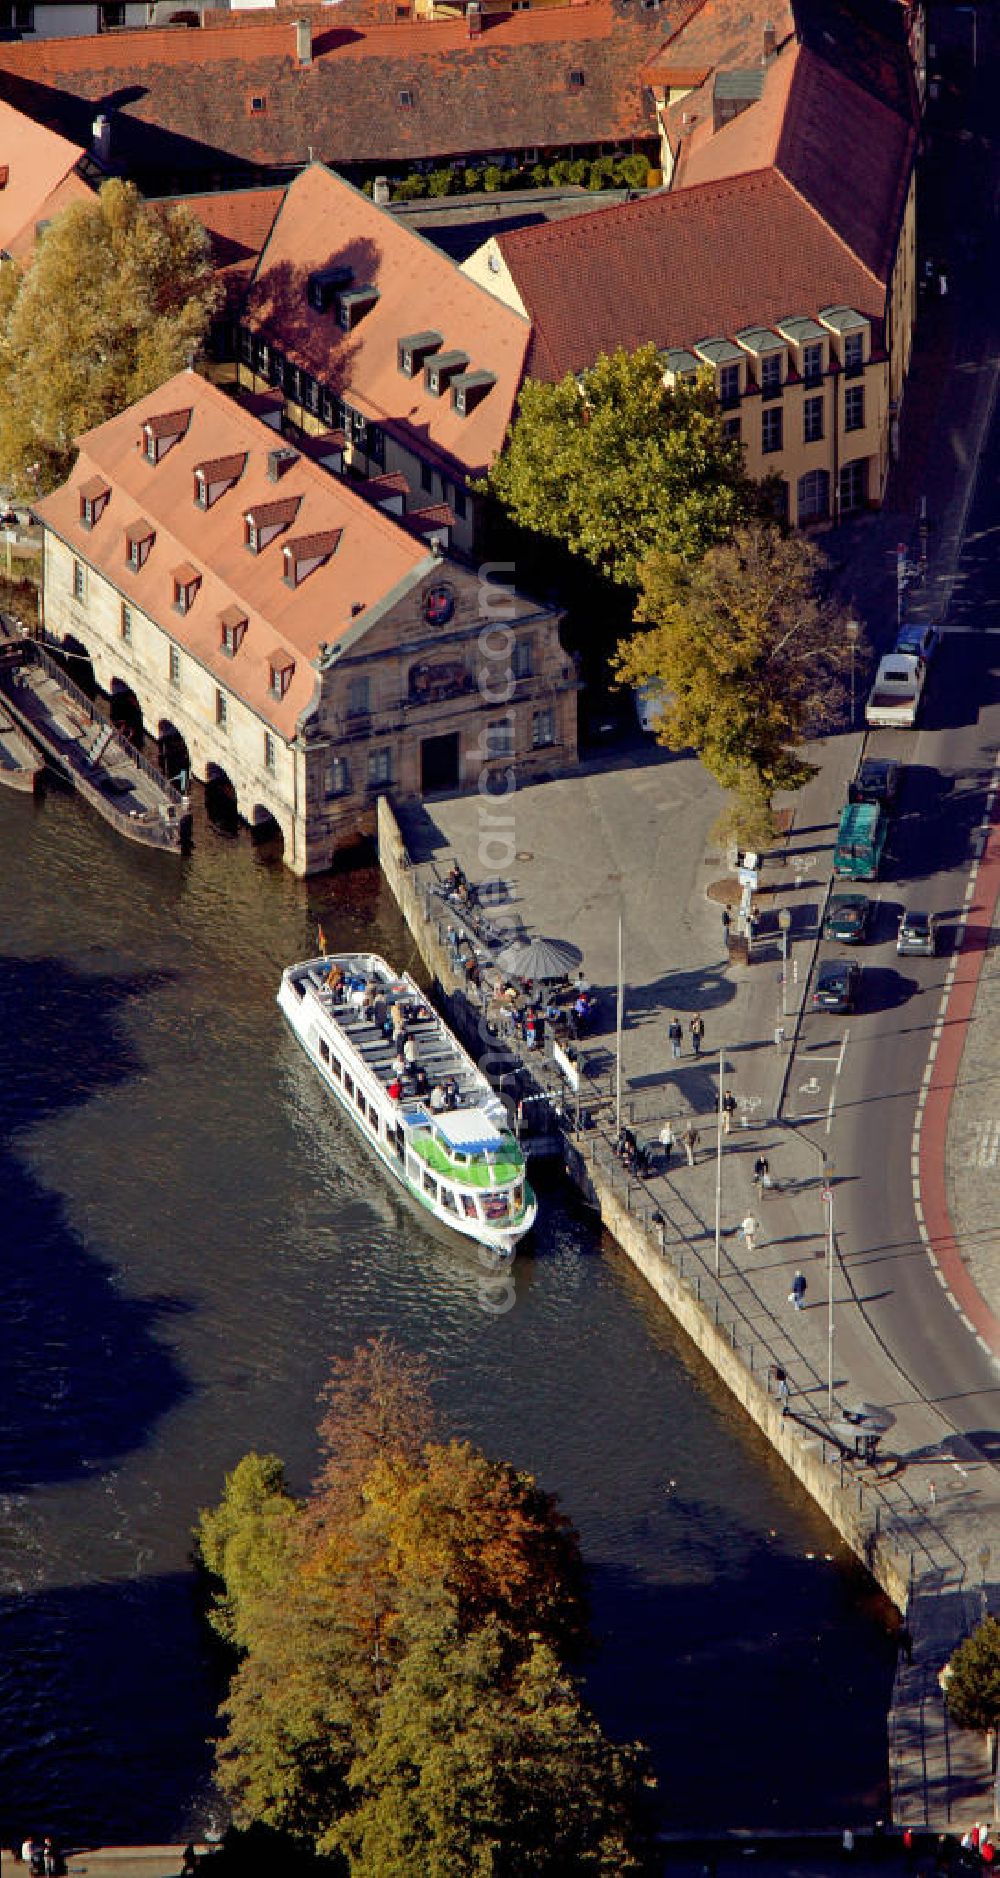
(67,684)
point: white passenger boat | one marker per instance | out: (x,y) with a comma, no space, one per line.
(437,1126)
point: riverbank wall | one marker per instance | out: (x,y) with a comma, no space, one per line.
(681,1274)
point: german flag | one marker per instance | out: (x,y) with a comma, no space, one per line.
(321,939)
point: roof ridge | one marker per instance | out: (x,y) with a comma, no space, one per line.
(834,233)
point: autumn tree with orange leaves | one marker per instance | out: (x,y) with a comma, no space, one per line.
(404,1700)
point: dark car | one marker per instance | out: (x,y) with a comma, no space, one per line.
(848,918)
(836,987)
(877,780)
(920,641)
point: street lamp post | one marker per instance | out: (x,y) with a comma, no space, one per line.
(784,926)
(718,1170)
(828,1200)
(853,631)
(984,1556)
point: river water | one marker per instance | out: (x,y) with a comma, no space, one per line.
(190,1233)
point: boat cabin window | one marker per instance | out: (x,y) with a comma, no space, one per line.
(324,1050)
(448,1200)
(430,1186)
(362,1104)
(335,1066)
(348,1084)
(413,1166)
(469,1206)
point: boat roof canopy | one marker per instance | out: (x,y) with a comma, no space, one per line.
(471,1130)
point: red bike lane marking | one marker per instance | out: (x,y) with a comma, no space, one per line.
(933,1143)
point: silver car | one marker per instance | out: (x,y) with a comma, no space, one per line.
(917,936)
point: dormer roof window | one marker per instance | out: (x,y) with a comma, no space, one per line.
(325,284)
(307,553)
(413,349)
(187,580)
(139,538)
(159,434)
(232,628)
(352,305)
(577,79)
(213,477)
(469,389)
(95,494)
(441,369)
(281,670)
(265,521)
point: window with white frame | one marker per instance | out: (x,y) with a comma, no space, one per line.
(729,385)
(812,363)
(379,768)
(813,496)
(126,624)
(770,375)
(854,407)
(543,728)
(338,777)
(812,420)
(79,581)
(854,352)
(522,657)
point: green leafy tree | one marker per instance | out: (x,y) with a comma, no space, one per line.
(116,298)
(244,1542)
(972,1684)
(618,465)
(749,657)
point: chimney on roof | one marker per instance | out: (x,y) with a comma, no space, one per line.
(770,41)
(101,138)
(303,42)
(380,191)
(474,17)
(278,461)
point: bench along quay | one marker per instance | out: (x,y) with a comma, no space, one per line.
(110,775)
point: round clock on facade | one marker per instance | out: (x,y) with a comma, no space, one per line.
(439,605)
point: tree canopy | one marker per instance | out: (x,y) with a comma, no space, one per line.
(401,1701)
(116,297)
(749,657)
(972,1686)
(617,464)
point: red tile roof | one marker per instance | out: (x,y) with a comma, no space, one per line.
(376,557)
(736,253)
(41,178)
(183,99)
(237,222)
(325,222)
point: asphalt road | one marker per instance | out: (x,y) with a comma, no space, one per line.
(865,1090)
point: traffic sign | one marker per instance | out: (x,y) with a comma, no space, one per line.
(827,1195)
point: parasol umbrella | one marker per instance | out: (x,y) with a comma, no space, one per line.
(539,959)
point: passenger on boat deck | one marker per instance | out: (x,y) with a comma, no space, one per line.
(420,1079)
(358,996)
(451,1093)
(410,1050)
(387,1026)
(398,1019)
(335,980)
(399,1064)
(394,1090)
(380,1012)
(439,1100)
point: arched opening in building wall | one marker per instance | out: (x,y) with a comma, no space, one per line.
(75,658)
(220,801)
(173,755)
(126,712)
(266,835)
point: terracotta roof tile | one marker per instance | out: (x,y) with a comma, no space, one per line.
(375,558)
(185,572)
(41,177)
(737,253)
(325,222)
(167,423)
(219,468)
(184,98)
(94,487)
(237,222)
(325,541)
(277,514)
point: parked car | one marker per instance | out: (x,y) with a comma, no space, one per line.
(9,519)
(917,936)
(918,641)
(877,780)
(848,918)
(836,987)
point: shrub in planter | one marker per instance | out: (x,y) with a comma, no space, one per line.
(439,183)
(492,177)
(473,179)
(576,171)
(633,171)
(540,175)
(368,189)
(559,172)
(408,188)
(602,173)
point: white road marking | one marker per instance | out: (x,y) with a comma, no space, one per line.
(831,1105)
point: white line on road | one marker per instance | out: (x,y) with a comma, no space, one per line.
(836,1074)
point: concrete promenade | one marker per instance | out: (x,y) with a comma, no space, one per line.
(629,837)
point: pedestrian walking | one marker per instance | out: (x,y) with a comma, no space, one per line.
(749,1229)
(753,924)
(697,1029)
(728,1107)
(727,920)
(666,1143)
(690,1138)
(783,1392)
(675,1034)
(932,1493)
(797,1293)
(761,1172)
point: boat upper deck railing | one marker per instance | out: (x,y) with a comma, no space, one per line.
(79,697)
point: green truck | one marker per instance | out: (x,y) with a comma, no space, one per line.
(861,840)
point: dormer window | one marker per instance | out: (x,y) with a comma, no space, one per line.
(281,671)
(771,374)
(232,626)
(576,80)
(469,389)
(413,349)
(353,304)
(94,498)
(406,100)
(854,353)
(303,556)
(159,434)
(213,477)
(441,369)
(139,538)
(265,521)
(187,580)
(257,103)
(729,385)
(812,363)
